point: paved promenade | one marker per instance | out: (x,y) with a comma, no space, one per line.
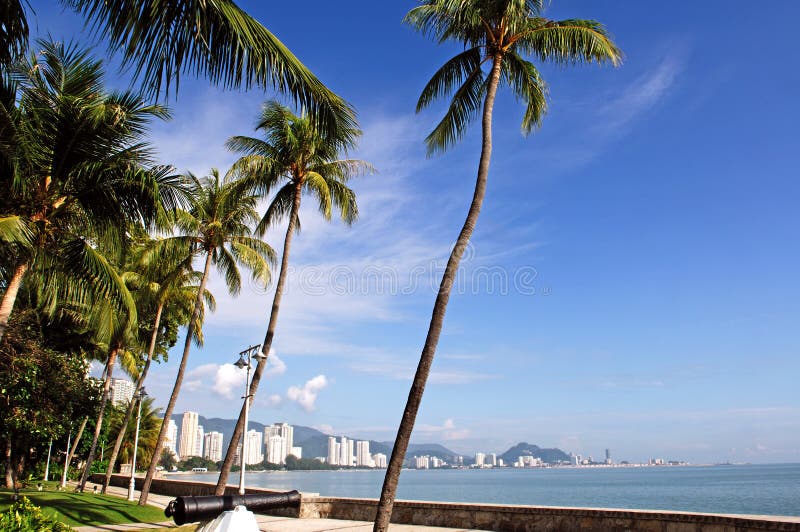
(266,523)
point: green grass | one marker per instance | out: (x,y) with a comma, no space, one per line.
(80,509)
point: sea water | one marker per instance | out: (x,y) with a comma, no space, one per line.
(772,489)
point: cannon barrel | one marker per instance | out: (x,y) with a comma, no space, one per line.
(189,509)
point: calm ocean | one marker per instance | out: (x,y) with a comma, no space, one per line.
(747,489)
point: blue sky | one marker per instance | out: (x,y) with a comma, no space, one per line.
(632,281)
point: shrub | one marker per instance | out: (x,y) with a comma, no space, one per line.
(24,516)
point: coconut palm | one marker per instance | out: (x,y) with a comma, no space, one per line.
(498,35)
(217,230)
(148,430)
(74,175)
(294,157)
(166,288)
(162,39)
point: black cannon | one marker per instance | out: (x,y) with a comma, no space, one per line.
(190,509)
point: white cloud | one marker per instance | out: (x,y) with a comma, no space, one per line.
(446,431)
(274,400)
(307,395)
(229,381)
(275,366)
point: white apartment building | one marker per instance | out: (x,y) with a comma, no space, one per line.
(275,449)
(171,441)
(363,458)
(276,454)
(121,391)
(297,452)
(422,462)
(379,459)
(480,459)
(188,445)
(253,454)
(333,451)
(212,446)
(198,441)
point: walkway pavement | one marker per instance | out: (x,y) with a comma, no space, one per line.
(266,523)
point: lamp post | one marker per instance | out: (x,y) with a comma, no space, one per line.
(245,358)
(66,461)
(132,486)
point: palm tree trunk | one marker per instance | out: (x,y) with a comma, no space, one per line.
(225,470)
(10,296)
(386,503)
(76,441)
(9,467)
(187,345)
(112,460)
(112,358)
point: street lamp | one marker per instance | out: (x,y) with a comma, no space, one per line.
(140,396)
(245,358)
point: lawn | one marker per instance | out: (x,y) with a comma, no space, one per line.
(79,509)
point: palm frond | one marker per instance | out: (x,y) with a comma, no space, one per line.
(211,38)
(464,106)
(528,86)
(568,41)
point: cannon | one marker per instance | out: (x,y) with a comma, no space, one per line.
(189,509)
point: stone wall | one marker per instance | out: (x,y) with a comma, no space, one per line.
(497,517)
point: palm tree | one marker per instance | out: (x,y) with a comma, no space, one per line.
(74,175)
(148,431)
(216,229)
(165,288)
(294,156)
(162,39)
(498,34)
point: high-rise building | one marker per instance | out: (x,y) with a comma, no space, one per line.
(333,451)
(422,462)
(363,458)
(479,459)
(188,445)
(351,457)
(344,457)
(379,459)
(275,447)
(253,448)
(171,441)
(286,433)
(297,452)
(198,442)
(212,446)
(121,391)
(608,456)
(491,459)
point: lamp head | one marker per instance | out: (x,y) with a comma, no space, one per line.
(241,363)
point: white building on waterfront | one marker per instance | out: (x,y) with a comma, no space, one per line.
(297,452)
(188,445)
(121,391)
(212,446)
(380,460)
(171,441)
(199,440)
(422,462)
(279,440)
(363,458)
(253,448)
(333,451)
(480,459)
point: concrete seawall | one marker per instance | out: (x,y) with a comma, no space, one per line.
(496,517)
